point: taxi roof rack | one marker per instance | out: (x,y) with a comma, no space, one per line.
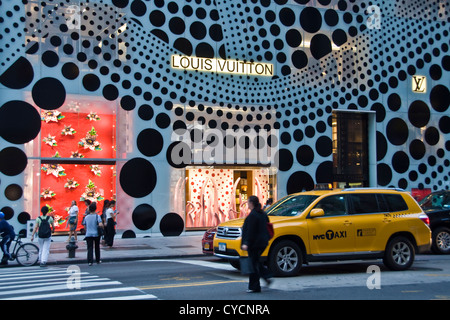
(373,188)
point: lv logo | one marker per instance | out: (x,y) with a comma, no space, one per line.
(419,84)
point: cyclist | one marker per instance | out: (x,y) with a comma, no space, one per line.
(8,234)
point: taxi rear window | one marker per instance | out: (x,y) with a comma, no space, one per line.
(376,203)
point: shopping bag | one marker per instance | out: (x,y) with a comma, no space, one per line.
(246,265)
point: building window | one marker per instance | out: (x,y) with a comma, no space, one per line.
(350,149)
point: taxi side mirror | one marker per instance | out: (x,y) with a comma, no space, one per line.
(316,213)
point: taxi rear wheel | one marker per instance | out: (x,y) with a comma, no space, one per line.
(285,258)
(399,254)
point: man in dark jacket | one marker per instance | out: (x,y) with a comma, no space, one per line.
(8,234)
(255,239)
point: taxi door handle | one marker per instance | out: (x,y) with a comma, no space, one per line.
(347,223)
(386,220)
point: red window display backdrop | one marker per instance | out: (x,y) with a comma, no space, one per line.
(63,195)
(62,135)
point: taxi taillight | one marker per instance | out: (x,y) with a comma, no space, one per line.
(425,219)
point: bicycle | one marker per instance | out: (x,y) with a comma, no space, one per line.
(26,254)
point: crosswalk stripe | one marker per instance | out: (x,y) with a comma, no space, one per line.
(136,297)
(37,283)
(74,293)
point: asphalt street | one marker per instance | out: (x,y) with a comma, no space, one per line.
(209,279)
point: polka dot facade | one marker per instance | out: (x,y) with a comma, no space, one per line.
(328,56)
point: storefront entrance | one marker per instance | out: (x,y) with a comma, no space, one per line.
(218,194)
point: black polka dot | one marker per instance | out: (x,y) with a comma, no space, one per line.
(400,162)
(299,59)
(49,93)
(138,8)
(444,124)
(419,114)
(394,102)
(19,122)
(311,19)
(157,18)
(50,58)
(150,142)
(432,136)
(128,103)
(339,37)
(138,177)
(285,159)
(397,131)
(12,161)
(299,181)
(287,16)
(70,70)
(19,75)
(91,82)
(320,46)
(324,172)
(440,98)
(144,216)
(384,174)
(8,211)
(324,146)
(293,38)
(110,92)
(417,149)
(305,155)
(145,112)
(381,146)
(120,3)
(13,192)
(171,225)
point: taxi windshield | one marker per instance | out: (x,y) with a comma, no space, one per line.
(291,205)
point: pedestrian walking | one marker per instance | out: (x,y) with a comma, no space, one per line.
(73,220)
(92,223)
(111,215)
(255,238)
(8,234)
(44,227)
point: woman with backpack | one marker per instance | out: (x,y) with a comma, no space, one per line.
(44,226)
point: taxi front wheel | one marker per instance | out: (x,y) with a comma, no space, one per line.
(285,258)
(399,254)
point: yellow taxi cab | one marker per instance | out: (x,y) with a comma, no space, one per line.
(332,225)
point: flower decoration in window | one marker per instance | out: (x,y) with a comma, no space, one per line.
(55,169)
(68,131)
(71,184)
(47,194)
(50,140)
(90,141)
(76,154)
(92,116)
(96,169)
(52,115)
(90,193)
(50,209)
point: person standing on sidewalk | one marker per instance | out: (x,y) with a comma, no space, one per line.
(255,238)
(110,223)
(92,223)
(44,226)
(73,220)
(8,235)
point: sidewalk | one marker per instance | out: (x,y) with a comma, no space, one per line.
(151,247)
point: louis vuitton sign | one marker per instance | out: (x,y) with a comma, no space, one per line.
(222,66)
